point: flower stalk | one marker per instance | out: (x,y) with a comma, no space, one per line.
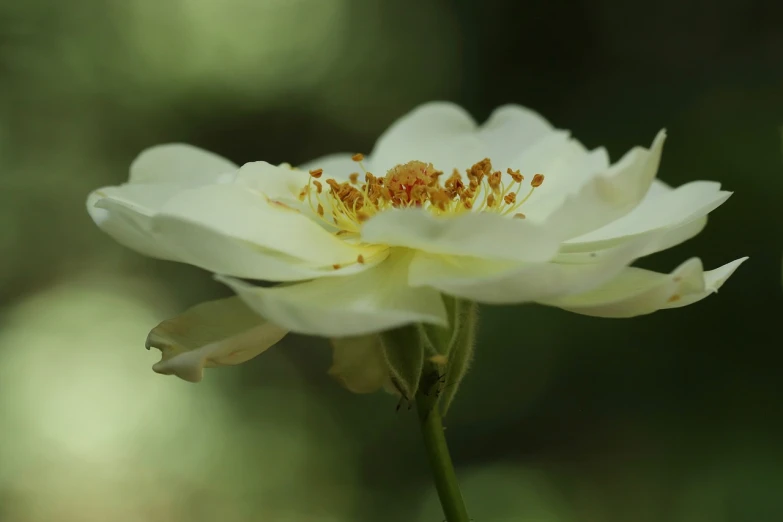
(439,457)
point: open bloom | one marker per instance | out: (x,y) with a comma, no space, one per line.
(511,211)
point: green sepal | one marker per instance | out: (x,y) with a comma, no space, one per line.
(403,350)
(438,339)
(460,354)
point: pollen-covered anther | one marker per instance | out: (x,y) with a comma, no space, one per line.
(360,259)
(494,181)
(358,157)
(419,185)
(515,175)
(519,215)
(316,173)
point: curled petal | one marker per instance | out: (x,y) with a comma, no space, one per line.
(663,208)
(639,292)
(215,333)
(602,198)
(125,213)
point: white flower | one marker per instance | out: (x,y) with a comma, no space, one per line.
(368,244)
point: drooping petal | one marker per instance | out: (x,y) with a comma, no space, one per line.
(497,282)
(358,363)
(603,198)
(233,230)
(479,234)
(215,333)
(440,133)
(179,163)
(638,292)
(125,213)
(371,301)
(662,208)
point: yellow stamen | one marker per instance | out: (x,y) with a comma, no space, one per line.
(417,184)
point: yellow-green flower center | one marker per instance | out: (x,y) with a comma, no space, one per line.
(415,184)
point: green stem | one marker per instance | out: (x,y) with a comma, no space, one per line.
(440,460)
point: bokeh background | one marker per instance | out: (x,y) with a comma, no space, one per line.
(674,417)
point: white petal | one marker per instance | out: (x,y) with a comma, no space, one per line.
(509,130)
(440,133)
(496,282)
(358,363)
(371,301)
(125,213)
(639,292)
(233,230)
(566,165)
(480,234)
(604,198)
(662,208)
(216,333)
(278,183)
(178,163)
(337,166)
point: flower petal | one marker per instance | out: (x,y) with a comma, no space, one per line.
(278,183)
(480,234)
(440,133)
(337,166)
(371,301)
(603,198)
(662,208)
(358,363)
(233,230)
(498,282)
(639,292)
(125,213)
(178,163)
(509,130)
(215,333)
(566,165)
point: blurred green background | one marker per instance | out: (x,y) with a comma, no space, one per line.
(674,417)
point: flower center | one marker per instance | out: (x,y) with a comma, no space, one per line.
(416,184)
